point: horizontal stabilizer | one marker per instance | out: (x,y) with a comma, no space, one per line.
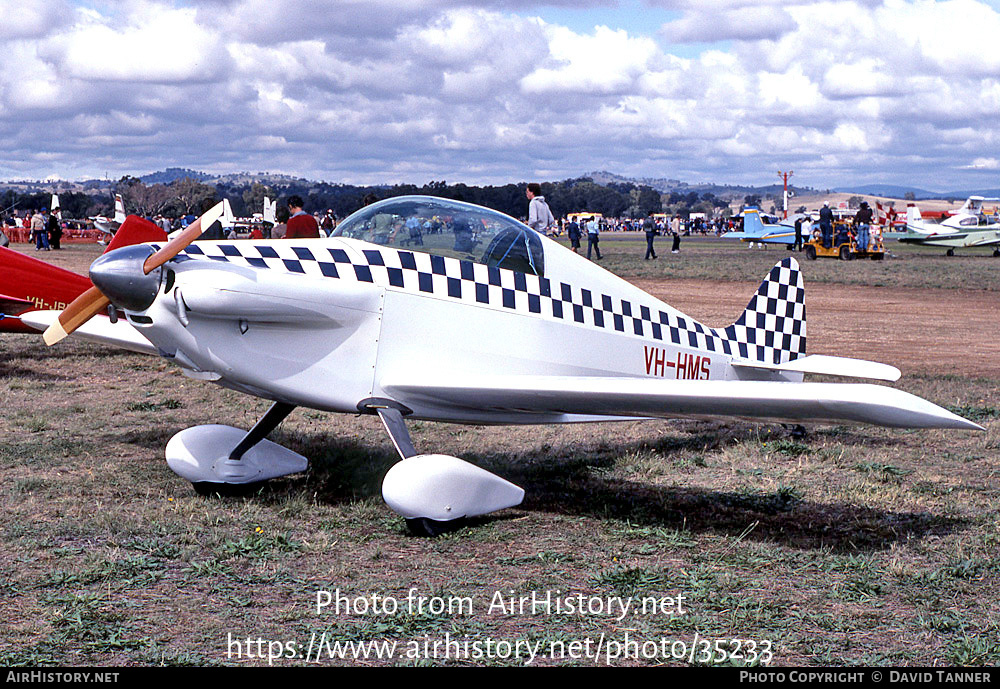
(754,400)
(12,305)
(100,330)
(830,366)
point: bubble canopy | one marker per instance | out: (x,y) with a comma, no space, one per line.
(443,227)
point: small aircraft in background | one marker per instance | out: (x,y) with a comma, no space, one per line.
(969,226)
(483,321)
(110,225)
(756,231)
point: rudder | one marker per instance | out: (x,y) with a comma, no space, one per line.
(772,328)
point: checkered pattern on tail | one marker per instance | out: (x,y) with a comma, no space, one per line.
(772,329)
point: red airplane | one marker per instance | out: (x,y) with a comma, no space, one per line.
(27,284)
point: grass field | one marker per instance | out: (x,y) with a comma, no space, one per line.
(851,546)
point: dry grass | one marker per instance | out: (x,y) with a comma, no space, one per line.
(851,546)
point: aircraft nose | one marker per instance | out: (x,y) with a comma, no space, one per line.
(119,275)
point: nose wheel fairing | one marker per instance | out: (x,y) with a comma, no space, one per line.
(202,454)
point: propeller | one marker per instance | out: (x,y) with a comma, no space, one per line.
(93,301)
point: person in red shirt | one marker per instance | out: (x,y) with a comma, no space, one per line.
(301,225)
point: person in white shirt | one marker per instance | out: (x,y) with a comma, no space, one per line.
(540,217)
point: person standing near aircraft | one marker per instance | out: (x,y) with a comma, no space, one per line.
(862,224)
(540,218)
(54,229)
(39,232)
(301,225)
(279,230)
(649,226)
(573,230)
(826,224)
(593,239)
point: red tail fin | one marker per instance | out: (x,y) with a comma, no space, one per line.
(136,230)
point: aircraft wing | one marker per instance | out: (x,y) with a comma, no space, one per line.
(100,330)
(642,397)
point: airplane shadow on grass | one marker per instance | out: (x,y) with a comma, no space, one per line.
(342,470)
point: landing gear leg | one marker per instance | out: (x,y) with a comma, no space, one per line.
(395,425)
(435,494)
(274,416)
(798,431)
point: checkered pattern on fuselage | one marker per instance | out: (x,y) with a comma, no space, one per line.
(772,329)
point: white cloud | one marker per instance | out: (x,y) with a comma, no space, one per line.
(744,23)
(484,91)
(606,62)
(984,164)
(31,18)
(156,45)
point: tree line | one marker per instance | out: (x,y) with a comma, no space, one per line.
(189,196)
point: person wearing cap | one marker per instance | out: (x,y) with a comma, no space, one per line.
(862,224)
(328,222)
(54,229)
(826,224)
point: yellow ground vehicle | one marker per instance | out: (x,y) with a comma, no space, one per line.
(844,244)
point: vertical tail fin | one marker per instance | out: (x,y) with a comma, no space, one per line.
(772,328)
(227,218)
(753,226)
(136,230)
(119,209)
(270,211)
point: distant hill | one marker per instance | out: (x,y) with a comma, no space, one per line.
(172,174)
(895,191)
(723,191)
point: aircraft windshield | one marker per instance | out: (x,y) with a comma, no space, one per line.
(447,228)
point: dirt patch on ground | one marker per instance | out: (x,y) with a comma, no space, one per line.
(931,330)
(919,331)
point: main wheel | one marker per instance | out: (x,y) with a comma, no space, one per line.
(996,252)
(950,252)
(810,252)
(227,490)
(422,526)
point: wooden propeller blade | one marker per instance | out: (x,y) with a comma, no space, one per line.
(180,242)
(92,302)
(80,310)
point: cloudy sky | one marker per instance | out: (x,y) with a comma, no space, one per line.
(484,91)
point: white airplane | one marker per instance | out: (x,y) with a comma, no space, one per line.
(110,225)
(969,226)
(482,322)
(270,211)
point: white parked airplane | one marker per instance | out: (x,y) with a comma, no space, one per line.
(477,320)
(110,225)
(969,226)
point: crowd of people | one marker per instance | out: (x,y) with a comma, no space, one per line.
(43,227)
(292,221)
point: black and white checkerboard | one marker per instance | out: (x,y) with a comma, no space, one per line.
(772,329)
